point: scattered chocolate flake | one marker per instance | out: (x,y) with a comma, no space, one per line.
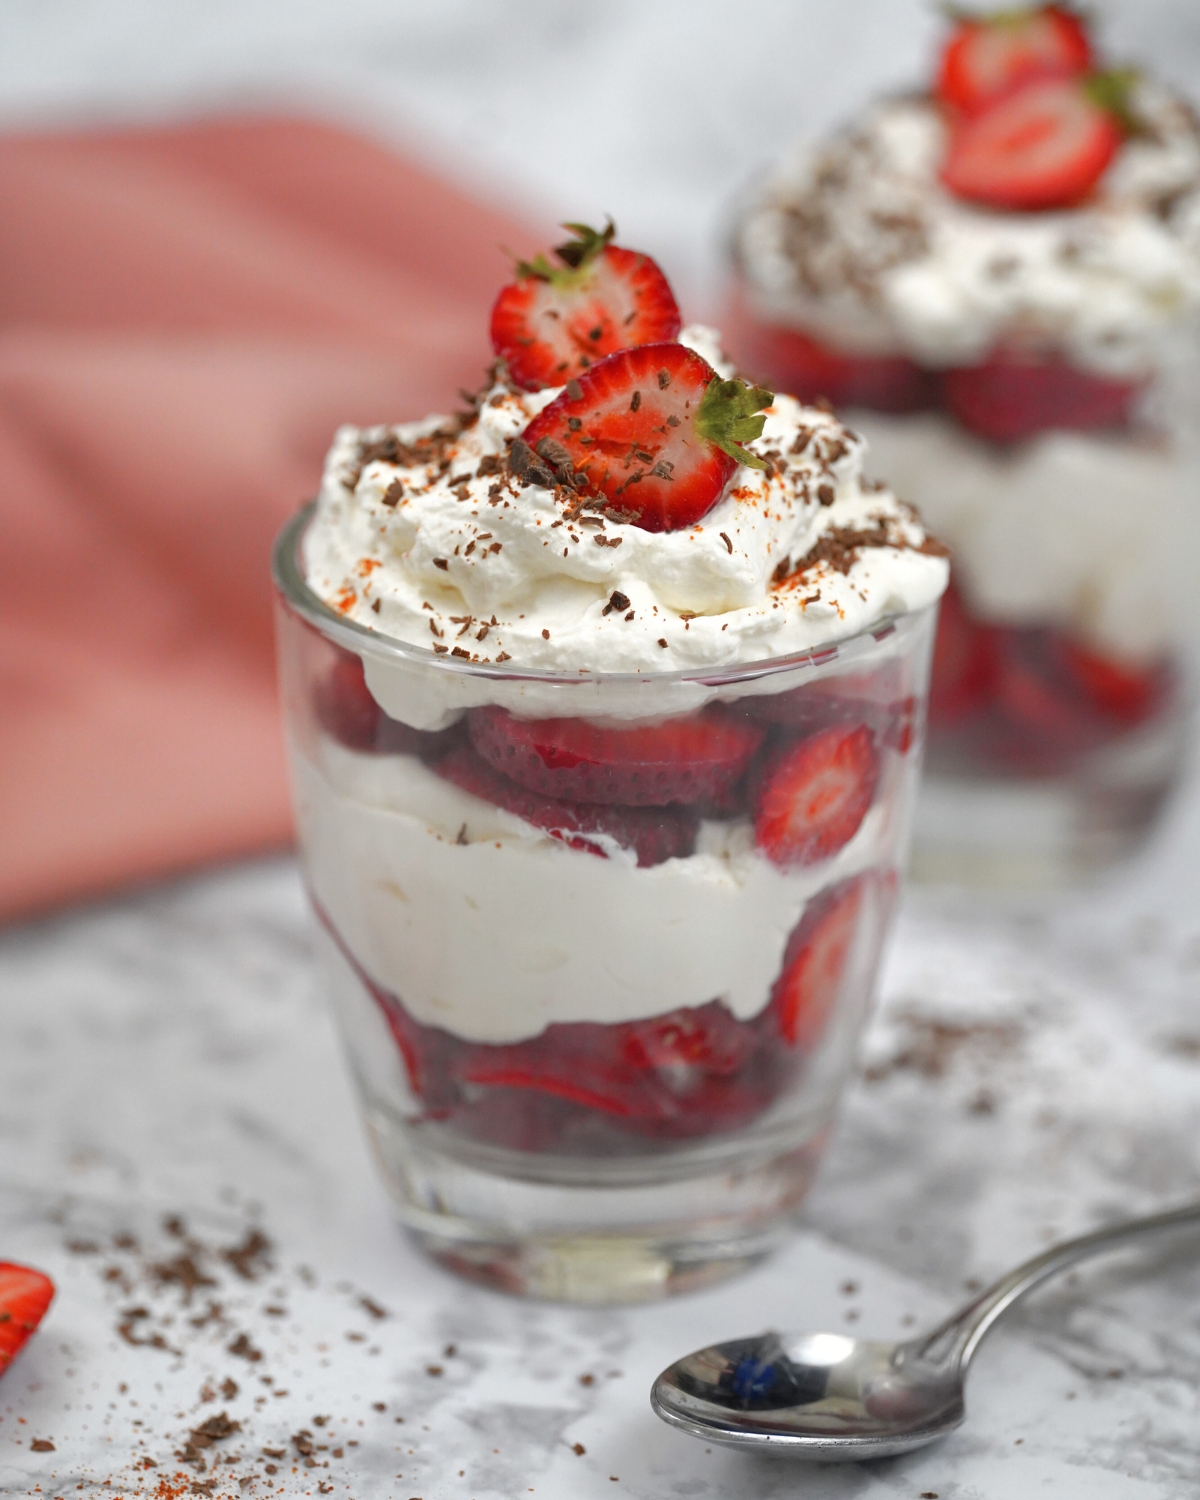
(559,460)
(252,1257)
(782,570)
(504,656)
(662,641)
(42,1445)
(182,1271)
(441,562)
(527,468)
(825,494)
(574,390)
(393,494)
(617,600)
(728,543)
(229,1388)
(545,635)
(664,379)
(578,1449)
(244,1349)
(434,1370)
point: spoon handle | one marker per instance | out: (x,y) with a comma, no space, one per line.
(955,1341)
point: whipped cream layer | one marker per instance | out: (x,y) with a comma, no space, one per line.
(857,242)
(422,534)
(487,927)
(1092,532)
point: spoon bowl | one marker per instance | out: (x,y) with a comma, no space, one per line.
(824,1397)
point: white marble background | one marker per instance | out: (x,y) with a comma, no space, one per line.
(1035,1068)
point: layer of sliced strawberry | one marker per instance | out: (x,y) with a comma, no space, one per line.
(689,760)
(555,322)
(814,964)
(988,56)
(1008,398)
(963,661)
(814,794)
(1122,691)
(346,710)
(1046,145)
(877,699)
(654,835)
(814,371)
(652,432)
(25,1294)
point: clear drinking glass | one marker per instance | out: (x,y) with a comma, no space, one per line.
(598,1060)
(1058,712)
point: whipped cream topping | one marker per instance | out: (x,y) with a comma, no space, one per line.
(857,242)
(423,534)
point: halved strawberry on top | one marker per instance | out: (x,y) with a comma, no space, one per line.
(815,793)
(555,322)
(689,759)
(654,432)
(1045,145)
(987,56)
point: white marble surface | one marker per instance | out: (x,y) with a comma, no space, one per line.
(169,1054)
(1033,1071)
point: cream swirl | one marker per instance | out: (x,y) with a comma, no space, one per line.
(858,242)
(422,533)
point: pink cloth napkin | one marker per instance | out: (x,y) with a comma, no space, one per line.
(185,317)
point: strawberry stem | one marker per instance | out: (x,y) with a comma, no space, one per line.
(576,255)
(727,417)
(1112,91)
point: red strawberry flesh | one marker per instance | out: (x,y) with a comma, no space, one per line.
(815,793)
(1008,398)
(25,1295)
(987,58)
(552,324)
(654,835)
(814,965)
(646,431)
(1044,146)
(691,759)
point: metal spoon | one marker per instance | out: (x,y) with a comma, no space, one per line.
(823,1396)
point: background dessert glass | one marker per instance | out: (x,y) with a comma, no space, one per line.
(1030,381)
(598,1060)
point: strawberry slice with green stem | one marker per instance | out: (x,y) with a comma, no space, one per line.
(988,56)
(815,793)
(1046,145)
(555,322)
(25,1295)
(654,434)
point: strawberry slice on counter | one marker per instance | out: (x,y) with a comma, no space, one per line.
(690,759)
(654,835)
(654,432)
(25,1295)
(1008,398)
(814,965)
(988,56)
(1046,145)
(555,322)
(814,795)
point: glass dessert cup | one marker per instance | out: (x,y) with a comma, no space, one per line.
(1058,712)
(599,1007)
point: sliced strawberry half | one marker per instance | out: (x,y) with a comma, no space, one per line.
(815,794)
(1046,145)
(989,56)
(688,760)
(25,1295)
(346,710)
(654,835)
(1008,398)
(653,432)
(814,965)
(555,322)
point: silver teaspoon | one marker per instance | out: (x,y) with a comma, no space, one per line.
(823,1396)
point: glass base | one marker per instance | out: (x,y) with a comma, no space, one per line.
(598,1232)
(1020,832)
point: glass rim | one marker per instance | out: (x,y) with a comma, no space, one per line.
(289,580)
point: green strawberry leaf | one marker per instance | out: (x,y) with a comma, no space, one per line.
(727,417)
(1113,91)
(576,255)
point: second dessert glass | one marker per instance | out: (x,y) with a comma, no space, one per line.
(598,1046)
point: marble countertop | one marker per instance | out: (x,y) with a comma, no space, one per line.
(171,1084)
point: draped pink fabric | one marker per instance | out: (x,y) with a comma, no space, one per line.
(186,315)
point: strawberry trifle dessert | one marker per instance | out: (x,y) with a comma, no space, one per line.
(605,701)
(999,282)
